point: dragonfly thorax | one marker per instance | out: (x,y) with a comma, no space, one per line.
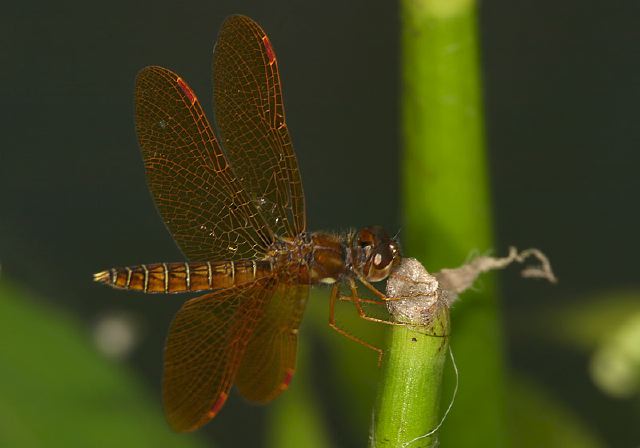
(367,254)
(329,258)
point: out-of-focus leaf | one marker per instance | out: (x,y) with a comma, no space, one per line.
(295,419)
(615,366)
(607,327)
(56,390)
(588,324)
(536,420)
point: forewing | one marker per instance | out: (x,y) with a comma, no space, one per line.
(207,211)
(270,358)
(250,116)
(205,346)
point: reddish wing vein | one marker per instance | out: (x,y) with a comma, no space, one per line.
(270,358)
(250,114)
(206,209)
(205,346)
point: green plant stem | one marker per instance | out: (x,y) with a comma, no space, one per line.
(446,197)
(409,398)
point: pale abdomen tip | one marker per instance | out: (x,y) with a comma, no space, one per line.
(102,277)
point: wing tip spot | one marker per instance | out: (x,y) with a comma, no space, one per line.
(288,377)
(187,90)
(269,49)
(218,405)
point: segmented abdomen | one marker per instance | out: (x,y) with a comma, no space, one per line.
(184,277)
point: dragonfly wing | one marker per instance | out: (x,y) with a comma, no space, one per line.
(251,119)
(205,347)
(270,358)
(206,209)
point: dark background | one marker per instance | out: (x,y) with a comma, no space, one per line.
(561,97)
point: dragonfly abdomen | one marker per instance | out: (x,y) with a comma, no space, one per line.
(184,277)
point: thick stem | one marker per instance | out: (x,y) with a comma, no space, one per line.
(407,412)
(446,196)
(409,400)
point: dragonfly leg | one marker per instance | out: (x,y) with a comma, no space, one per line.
(332,323)
(374,290)
(344,298)
(357,301)
(370,287)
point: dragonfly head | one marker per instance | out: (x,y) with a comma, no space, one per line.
(375,253)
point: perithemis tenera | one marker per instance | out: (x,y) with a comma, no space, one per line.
(239,218)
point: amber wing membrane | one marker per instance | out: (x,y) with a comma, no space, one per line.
(206,209)
(270,358)
(250,116)
(206,343)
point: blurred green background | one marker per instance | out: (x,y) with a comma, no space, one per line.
(80,365)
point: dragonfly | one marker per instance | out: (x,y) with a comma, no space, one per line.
(238,216)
